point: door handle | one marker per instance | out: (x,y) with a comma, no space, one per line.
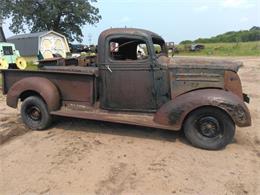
(107,66)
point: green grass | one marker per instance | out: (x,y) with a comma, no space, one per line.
(31,66)
(224,49)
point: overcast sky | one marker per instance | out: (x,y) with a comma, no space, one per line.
(175,20)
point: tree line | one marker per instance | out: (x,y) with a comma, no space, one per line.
(252,34)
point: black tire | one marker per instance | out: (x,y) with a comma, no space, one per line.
(209,128)
(35,113)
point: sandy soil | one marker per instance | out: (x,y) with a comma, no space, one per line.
(80,156)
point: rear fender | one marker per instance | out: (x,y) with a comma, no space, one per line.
(175,111)
(45,88)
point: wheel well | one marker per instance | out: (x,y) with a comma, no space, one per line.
(208,106)
(29,93)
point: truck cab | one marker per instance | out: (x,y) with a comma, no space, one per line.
(131,78)
(135,82)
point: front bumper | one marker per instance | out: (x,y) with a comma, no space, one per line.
(246,98)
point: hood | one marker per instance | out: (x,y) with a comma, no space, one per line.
(200,63)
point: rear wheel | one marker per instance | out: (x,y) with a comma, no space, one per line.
(35,113)
(209,128)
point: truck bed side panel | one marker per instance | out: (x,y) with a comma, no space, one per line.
(73,87)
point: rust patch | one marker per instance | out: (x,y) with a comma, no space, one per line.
(233,83)
(237,111)
(175,115)
(42,86)
(174,112)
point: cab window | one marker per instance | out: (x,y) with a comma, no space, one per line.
(128,49)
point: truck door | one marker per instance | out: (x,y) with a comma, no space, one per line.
(127,76)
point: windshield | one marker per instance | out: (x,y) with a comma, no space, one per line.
(159,46)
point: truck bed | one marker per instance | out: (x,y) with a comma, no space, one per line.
(75,84)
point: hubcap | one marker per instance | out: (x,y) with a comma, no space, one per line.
(209,127)
(34,113)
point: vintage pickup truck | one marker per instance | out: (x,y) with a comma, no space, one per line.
(135,82)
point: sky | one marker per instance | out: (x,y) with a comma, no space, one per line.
(174,20)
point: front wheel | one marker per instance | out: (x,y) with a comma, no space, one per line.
(209,128)
(35,113)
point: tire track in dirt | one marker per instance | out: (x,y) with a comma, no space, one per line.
(10,127)
(119,178)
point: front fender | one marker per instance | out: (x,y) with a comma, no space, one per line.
(174,112)
(45,88)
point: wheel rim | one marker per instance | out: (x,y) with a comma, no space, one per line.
(209,127)
(34,113)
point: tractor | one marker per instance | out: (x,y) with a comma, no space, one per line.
(10,57)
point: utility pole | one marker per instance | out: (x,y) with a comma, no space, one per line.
(89,39)
(2,35)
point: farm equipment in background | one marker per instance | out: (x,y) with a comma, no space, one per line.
(81,55)
(88,60)
(197,47)
(9,56)
(172,49)
(79,48)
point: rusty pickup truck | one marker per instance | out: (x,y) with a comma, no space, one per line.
(135,82)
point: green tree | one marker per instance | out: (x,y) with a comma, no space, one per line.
(186,42)
(64,16)
(232,37)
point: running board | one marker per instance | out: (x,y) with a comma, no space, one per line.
(138,119)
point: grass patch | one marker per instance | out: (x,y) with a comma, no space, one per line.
(31,66)
(224,49)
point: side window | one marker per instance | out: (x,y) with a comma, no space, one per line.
(128,49)
(159,46)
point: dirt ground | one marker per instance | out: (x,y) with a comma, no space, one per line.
(81,156)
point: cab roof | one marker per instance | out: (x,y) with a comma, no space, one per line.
(128,31)
(122,32)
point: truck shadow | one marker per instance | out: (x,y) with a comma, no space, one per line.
(74,124)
